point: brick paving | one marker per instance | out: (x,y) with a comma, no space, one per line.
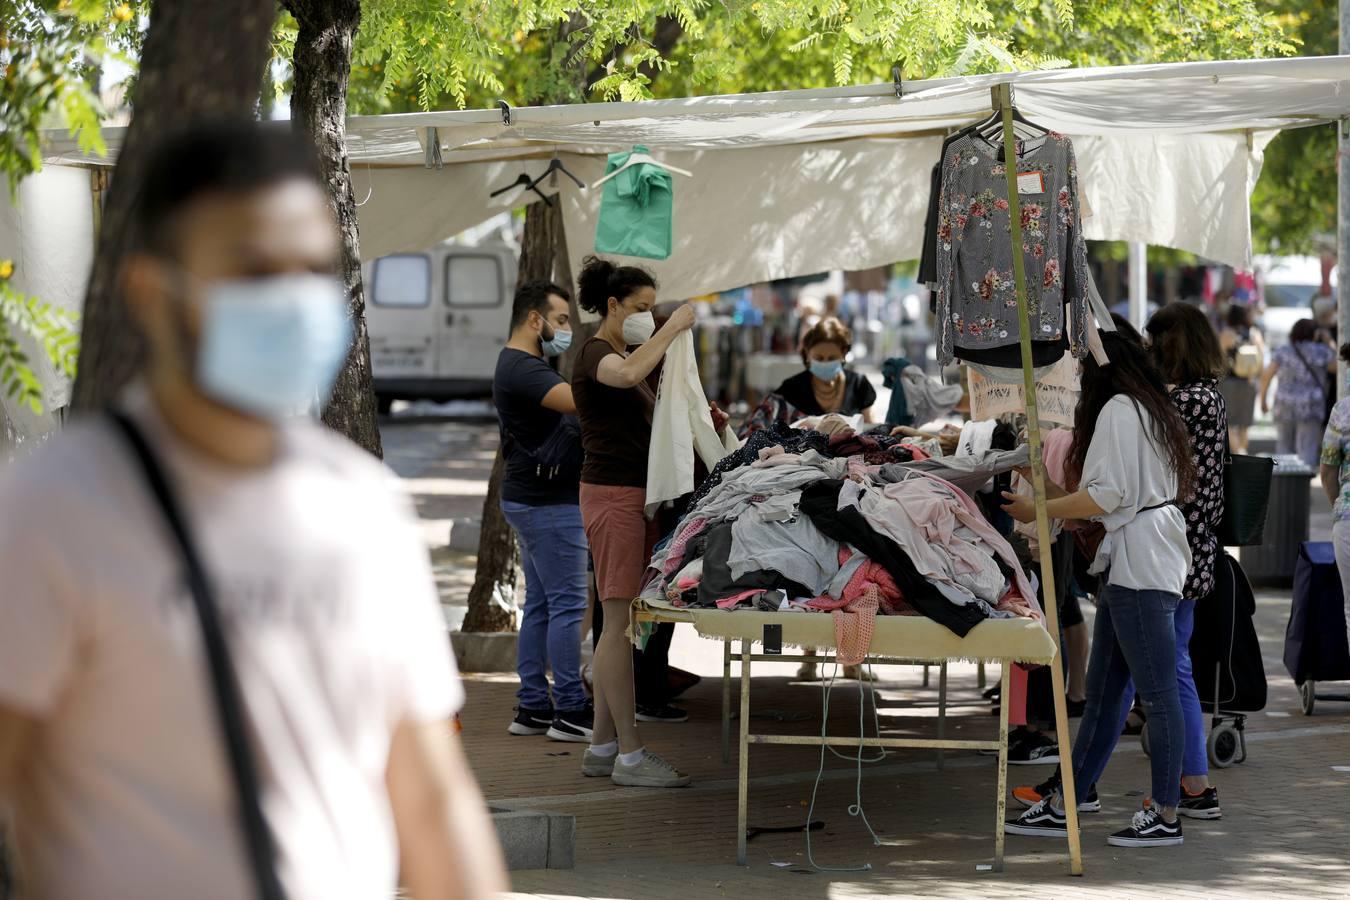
(1286,830)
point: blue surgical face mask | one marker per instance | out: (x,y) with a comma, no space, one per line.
(272,347)
(556,345)
(827,371)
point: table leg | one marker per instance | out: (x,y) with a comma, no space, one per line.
(1002,766)
(726,702)
(980,679)
(942,714)
(743,785)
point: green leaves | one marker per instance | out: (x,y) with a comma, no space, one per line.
(53,329)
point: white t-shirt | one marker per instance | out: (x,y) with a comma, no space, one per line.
(336,634)
(1125,474)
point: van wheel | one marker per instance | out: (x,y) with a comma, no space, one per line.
(384,404)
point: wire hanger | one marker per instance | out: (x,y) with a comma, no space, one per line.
(1023,128)
(635,159)
(555,165)
(523,180)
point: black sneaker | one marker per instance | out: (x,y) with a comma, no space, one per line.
(1016,738)
(1034,750)
(531,721)
(1076,708)
(1200,806)
(1039,821)
(1147,829)
(575,725)
(665,713)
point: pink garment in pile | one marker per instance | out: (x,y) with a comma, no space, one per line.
(930,508)
(675,557)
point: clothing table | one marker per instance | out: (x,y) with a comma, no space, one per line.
(895,639)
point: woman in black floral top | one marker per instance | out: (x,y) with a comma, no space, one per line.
(1188,355)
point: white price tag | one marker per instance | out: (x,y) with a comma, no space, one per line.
(1030,183)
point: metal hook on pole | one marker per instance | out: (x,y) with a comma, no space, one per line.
(506,111)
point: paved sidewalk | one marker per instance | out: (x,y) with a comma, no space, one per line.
(1286,829)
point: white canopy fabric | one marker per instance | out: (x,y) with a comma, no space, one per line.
(796,182)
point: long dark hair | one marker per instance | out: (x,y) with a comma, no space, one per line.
(1133,374)
(1184,345)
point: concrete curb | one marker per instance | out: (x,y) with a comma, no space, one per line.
(477,651)
(536,840)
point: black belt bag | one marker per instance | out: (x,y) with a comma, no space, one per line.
(229,702)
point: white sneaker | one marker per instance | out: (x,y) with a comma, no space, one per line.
(651,771)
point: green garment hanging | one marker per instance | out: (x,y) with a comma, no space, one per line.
(635,210)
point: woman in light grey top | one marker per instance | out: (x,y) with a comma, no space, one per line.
(1133,458)
(977,296)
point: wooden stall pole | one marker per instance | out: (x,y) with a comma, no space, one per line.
(1002,99)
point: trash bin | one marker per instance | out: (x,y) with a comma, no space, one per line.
(1272,562)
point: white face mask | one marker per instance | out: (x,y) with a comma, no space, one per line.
(638,328)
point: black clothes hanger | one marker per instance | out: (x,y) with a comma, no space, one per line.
(555,165)
(524,180)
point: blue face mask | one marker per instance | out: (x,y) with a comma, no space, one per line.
(827,371)
(556,345)
(272,347)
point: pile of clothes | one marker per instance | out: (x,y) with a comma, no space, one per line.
(853,524)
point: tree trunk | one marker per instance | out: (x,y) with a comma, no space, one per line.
(491,606)
(322,62)
(182,79)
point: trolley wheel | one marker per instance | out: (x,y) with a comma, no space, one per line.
(1224,745)
(1307,695)
(1143,739)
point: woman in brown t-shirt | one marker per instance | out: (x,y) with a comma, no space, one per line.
(614,404)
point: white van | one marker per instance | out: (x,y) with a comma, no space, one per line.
(437,321)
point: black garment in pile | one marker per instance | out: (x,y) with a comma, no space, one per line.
(792,440)
(820,501)
(717,583)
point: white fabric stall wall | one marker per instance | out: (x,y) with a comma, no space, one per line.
(778,212)
(759,214)
(49,234)
(404,210)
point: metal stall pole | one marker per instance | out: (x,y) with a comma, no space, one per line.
(1002,100)
(726,702)
(942,714)
(1005,679)
(743,778)
(1343,213)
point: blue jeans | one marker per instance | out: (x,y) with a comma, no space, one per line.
(1134,637)
(553,554)
(1195,759)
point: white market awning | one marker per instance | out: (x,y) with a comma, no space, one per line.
(795,182)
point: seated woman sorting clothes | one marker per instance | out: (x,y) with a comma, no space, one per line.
(827,386)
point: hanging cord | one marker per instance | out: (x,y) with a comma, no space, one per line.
(370,181)
(856,809)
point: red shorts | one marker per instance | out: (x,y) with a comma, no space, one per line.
(620,536)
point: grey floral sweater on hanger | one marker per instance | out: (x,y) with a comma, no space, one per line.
(977,296)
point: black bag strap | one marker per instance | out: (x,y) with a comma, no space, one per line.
(1319,377)
(224,681)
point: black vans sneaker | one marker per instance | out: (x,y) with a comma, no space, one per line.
(531,721)
(665,713)
(1147,829)
(572,725)
(1039,821)
(1034,750)
(1200,806)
